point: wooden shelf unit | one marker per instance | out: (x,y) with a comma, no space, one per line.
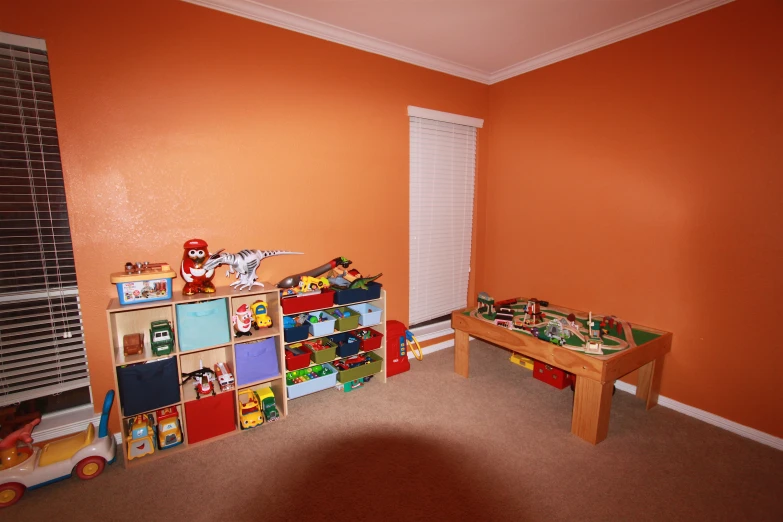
(379,327)
(136,318)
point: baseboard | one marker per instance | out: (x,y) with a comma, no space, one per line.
(118,438)
(711,418)
(448,343)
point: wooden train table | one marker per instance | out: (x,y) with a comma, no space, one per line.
(562,338)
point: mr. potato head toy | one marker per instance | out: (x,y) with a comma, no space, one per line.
(197,279)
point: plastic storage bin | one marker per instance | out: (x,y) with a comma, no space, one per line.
(349,321)
(370,315)
(294,360)
(294,305)
(296,333)
(323,355)
(551,375)
(361,371)
(312,385)
(323,327)
(346,344)
(148,386)
(373,343)
(209,417)
(354,295)
(256,361)
(203,324)
(152,284)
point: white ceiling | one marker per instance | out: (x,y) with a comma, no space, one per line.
(483,40)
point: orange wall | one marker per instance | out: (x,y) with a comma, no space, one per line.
(177,121)
(644,179)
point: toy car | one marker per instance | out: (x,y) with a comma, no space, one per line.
(27,467)
(168,429)
(261,317)
(268,405)
(161,337)
(140,441)
(250,414)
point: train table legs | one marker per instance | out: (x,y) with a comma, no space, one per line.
(461,352)
(592,402)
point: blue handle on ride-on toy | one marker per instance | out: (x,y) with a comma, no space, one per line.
(103,428)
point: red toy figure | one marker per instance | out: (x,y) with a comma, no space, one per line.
(242,321)
(197,279)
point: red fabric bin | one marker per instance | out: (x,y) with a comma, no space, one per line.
(297,362)
(373,343)
(209,417)
(295,305)
(551,375)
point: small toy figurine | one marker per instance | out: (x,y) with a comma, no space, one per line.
(242,321)
(198,278)
(244,264)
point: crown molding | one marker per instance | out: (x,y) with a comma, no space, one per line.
(615,34)
(300,24)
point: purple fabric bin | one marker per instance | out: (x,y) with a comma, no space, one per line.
(256,361)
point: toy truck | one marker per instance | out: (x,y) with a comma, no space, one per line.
(168,429)
(268,405)
(161,338)
(224,376)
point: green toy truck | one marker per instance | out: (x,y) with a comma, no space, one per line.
(161,338)
(268,406)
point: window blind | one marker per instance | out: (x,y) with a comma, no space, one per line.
(41,338)
(442,172)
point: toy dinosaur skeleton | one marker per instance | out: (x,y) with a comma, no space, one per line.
(244,264)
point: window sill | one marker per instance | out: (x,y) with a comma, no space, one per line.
(66,422)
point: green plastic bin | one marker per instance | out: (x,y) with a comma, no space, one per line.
(326,355)
(346,323)
(363,370)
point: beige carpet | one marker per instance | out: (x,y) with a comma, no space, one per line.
(430,445)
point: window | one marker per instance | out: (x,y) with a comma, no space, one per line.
(442,172)
(41,339)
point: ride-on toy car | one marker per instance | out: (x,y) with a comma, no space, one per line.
(25,467)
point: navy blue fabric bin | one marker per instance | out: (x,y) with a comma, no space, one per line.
(296,333)
(149,386)
(354,295)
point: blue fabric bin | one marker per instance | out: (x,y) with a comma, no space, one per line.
(354,295)
(203,324)
(148,386)
(256,361)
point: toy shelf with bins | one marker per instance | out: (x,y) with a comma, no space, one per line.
(380,327)
(197,415)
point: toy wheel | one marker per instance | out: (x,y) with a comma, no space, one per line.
(90,467)
(10,494)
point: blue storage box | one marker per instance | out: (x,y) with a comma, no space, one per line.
(313,385)
(321,328)
(148,386)
(203,324)
(256,361)
(355,295)
(151,282)
(346,345)
(296,333)
(370,315)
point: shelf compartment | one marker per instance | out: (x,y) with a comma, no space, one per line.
(192,361)
(266,381)
(136,321)
(256,361)
(210,417)
(148,387)
(202,324)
